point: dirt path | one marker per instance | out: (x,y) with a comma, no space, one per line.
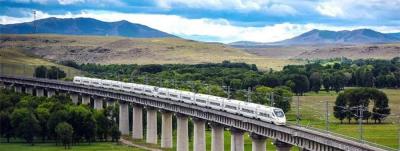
(129,143)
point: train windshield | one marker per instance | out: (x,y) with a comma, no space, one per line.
(279,113)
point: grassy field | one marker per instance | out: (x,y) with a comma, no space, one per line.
(120,50)
(312,111)
(53,147)
(15,62)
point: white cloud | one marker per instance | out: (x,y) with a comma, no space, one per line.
(327,9)
(271,7)
(221,29)
(359,9)
(69,2)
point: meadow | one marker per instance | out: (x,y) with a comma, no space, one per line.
(312,109)
(52,147)
(16,62)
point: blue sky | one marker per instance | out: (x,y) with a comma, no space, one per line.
(220,20)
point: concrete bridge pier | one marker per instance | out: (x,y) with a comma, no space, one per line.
(29,90)
(166,129)
(123,118)
(237,141)
(217,137)
(18,89)
(74,97)
(258,143)
(98,103)
(151,133)
(7,87)
(199,138)
(86,99)
(281,146)
(110,102)
(50,93)
(137,122)
(39,92)
(182,141)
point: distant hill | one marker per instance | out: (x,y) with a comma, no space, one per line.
(321,37)
(246,44)
(360,36)
(84,26)
(395,35)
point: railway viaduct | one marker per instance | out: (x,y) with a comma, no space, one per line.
(285,137)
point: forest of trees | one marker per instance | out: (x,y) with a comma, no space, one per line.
(245,82)
(331,76)
(54,119)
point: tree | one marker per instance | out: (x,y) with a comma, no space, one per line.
(270,80)
(29,128)
(339,110)
(338,81)
(40,72)
(6,130)
(282,98)
(64,132)
(326,81)
(43,116)
(301,84)
(115,133)
(55,118)
(260,95)
(315,81)
(89,127)
(103,124)
(55,73)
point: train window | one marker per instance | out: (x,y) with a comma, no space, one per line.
(200,100)
(231,107)
(214,103)
(162,93)
(264,114)
(78,80)
(137,89)
(106,84)
(115,86)
(147,90)
(279,113)
(85,81)
(95,83)
(247,110)
(126,87)
(173,95)
(186,98)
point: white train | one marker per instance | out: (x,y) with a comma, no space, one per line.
(264,113)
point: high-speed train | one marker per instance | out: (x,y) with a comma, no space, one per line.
(261,112)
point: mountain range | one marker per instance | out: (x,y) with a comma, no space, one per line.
(90,26)
(321,37)
(84,26)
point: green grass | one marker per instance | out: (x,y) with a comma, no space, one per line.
(16,62)
(312,110)
(52,147)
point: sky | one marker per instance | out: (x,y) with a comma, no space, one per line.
(220,20)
